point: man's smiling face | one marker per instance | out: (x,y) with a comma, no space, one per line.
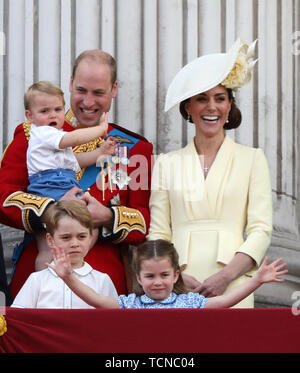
(91,92)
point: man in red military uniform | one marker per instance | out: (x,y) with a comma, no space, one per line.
(116,192)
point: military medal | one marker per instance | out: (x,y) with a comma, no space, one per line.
(115,159)
(125,161)
(123,154)
(120,178)
(115,201)
(102,173)
(109,173)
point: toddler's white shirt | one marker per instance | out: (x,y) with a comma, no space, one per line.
(43,151)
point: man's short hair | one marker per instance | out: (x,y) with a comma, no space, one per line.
(98,56)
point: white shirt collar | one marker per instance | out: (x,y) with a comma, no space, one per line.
(82,271)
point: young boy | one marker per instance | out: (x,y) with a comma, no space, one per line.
(51,163)
(69,226)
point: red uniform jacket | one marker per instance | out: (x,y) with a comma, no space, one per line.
(128,200)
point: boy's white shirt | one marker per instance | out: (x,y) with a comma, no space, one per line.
(44,289)
(43,151)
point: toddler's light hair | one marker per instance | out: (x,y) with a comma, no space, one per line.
(42,86)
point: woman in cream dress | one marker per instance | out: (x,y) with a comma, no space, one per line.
(212,198)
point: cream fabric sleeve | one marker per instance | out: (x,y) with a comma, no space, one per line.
(259,213)
(160,214)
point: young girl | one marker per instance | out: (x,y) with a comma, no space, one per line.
(160,284)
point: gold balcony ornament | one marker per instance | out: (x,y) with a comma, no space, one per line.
(3,325)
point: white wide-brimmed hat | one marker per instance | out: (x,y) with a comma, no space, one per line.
(231,69)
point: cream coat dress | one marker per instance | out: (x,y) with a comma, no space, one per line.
(210,220)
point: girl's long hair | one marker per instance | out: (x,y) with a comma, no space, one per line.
(156,249)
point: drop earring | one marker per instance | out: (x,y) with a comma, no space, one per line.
(189,118)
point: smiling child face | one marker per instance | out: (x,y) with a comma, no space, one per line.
(157,277)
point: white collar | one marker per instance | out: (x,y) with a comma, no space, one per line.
(82,271)
(146,300)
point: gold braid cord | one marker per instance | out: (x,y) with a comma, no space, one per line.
(26,127)
(88,147)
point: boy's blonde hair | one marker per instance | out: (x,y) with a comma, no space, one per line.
(42,87)
(74,209)
(157,249)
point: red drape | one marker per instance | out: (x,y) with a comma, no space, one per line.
(151,331)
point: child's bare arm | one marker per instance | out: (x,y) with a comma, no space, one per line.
(63,269)
(88,295)
(84,135)
(88,158)
(266,273)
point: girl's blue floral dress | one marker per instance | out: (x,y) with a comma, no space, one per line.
(189,300)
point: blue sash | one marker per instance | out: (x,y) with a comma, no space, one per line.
(91,173)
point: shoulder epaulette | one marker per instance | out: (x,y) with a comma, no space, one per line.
(26,128)
(125,130)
